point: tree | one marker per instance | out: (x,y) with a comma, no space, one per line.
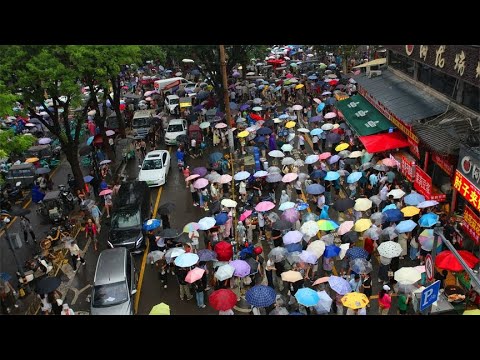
(14,144)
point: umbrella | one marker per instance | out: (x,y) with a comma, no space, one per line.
(257,101)
(243,134)
(327,225)
(355,154)
(206,255)
(350,237)
(344,154)
(355,300)
(389,162)
(397,193)
(166,208)
(361,266)
(224,251)
(291,215)
(380,167)
(413,199)
(223,299)
(47,285)
(425,204)
(87,178)
(229,203)
(282,225)
(287,147)
(310,228)
(190,227)
(339,285)
(331,251)
(446,260)
(362,225)
(299,162)
(44,141)
(273,216)
(241,267)
(291,276)
(260,173)
(324,303)
(333,159)
(324,155)
(344,204)
(212,177)
(253,265)
(41,171)
(32,160)
(332,175)
(308,257)
(365,166)
(410,211)
(354,177)
(105,192)
(169,233)
(341,146)
(316,248)
(200,183)
(327,127)
(221,218)
(426,239)
(316,132)
(307,297)
(202,171)
(274,170)
(264,131)
(345,227)
(362,204)
(311,159)
(303,130)
(276,154)
(315,189)
(334,138)
(242,175)
(260,296)
(204,125)
(186,260)
(405,226)
(265,206)
(356,252)
(288,161)
(407,275)
(471,312)
(214,157)
(389,207)
(278,254)
(286,205)
(389,249)
(151,224)
(289,177)
(225,272)
(192,177)
(294,248)
(376,200)
(290,124)
(428,220)
(245,215)
(160,309)
(392,215)
(5,276)
(194,275)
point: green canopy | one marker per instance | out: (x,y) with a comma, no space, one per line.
(362,116)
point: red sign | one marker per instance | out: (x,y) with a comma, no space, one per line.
(444,163)
(407,168)
(471,224)
(172,85)
(429,267)
(469,191)
(423,184)
(414,148)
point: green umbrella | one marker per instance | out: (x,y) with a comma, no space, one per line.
(160,309)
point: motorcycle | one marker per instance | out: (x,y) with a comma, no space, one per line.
(67,197)
(13,193)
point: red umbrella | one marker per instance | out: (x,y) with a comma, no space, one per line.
(446,260)
(223,299)
(256,117)
(224,251)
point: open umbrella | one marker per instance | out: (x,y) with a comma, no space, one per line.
(224,272)
(206,255)
(407,275)
(426,239)
(186,260)
(260,296)
(229,203)
(282,225)
(350,237)
(324,303)
(332,176)
(425,204)
(287,205)
(405,226)
(354,177)
(242,268)
(345,227)
(389,207)
(202,171)
(355,300)
(413,199)
(356,252)
(276,154)
(242,175)
(166,208)
(289,177)
(194,275)
(44,141)
(41,171)
(200,183)
(311,159)
(308,257)
(307,297)
(315,189)
(446,260)
(316,248)
(191,226)
(151,224)
(274,178)
(310,228)
(223,299)
(344,204)
(291,276)
(362,225)
(362,204)
(224,251)
(288,161)
(392,215)
(278,254)
(160,309)
(389,249)
(361,266)
(339,285)
(327,225)
(428,220)
(396,193)
(47,285)
(260,173)
(331,251)
(290,215)
(318,174)
(410,211)
(221,218)
(245,215)
(265,206)
(206,223)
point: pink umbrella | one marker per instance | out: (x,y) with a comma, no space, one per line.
(321,280)
(318,101)
(389,162)
(105,192)
(200,183)
(221,126)
(191,177)
(148,98)
(345,227)
(330,115)
(109,132)
(264,206)
(289,76)
(324,155)
(224,179)
(245,215)
(291,215)
(194,275)
(292,237)
(289,177)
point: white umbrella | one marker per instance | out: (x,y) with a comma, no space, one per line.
(156,255)
(288,161)
(242,175)
(229,203)
(397,193)
(317,248)
(327,127)
(287,147)
(324,304)
(311,159)
(206,223)
(389,249)
(187,61)
(225,179)
(224,272)
(257,108)
(260,173)
(362,204)
(173,253)
(276,154)
(296,107)
(428,203)
(355,154)
(310,228)
(286,205)
(303,130)
(274,170)
(407,275)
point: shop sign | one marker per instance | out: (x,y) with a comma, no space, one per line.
(407,168)
(444,163)
(423,184)
(413,148)
(468,190)
(469,165)
(471,224)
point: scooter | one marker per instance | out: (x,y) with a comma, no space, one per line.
(67,197)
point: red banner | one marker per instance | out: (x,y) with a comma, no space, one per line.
(423,182)
(471,224)
(444,163)
(469,191)
(407,168)
(413,146)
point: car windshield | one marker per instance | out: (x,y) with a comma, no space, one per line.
(175,128)
(153,164)
(141,122)
(125,219)
(110,294)
(173,101)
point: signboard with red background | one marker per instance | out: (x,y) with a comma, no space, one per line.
(444,163)
(423,184)
(471,224)
(465,188)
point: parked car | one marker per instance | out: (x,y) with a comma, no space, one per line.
(155,167)
(176,127)
(172,103)
(114,284)
(142,122)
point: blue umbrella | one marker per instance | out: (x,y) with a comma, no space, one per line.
(261,296)
(356,253)
(318,174)
(389,207)
(260,139)
(392,215)
(315,189)
(331,251)
(312,77)
(221,218)
(413,199)
(294,247)
(307,297)
(405,226)
(302,206)
(90,140)
(244,107)
(339,285)
(260,87)
(330,101)
(5,276)
(320,107)
(332,175)
(198,108)
(264,131)
(88,178)
(151,224)
(316,132)
(233,106)
(186,260)
(284,116)
(246,252)
(428,220)
(354,177)
(214,157)
(277,88)
(206,255)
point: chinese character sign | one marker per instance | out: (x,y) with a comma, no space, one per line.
(444,163)
(423,182)
(408,168)
(465,188)
(413,148)
(471,224)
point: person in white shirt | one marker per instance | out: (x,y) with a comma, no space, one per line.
(298,188)
(194,236)
(284,197)
(66,310)
(301,142)
(320,202)
(315,140)
(384,192)
(243,190)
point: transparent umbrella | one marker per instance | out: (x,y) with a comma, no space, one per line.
(361,266)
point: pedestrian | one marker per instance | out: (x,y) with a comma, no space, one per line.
(27,228)
(91,232)
(383,269)
(327,265)
(193,191)
(367,286)
(241,232)
(66,310)
(162,268)
(108,204)
(339,304)
(7,296)
(96,213)
(402,302)
(55,300)
(74,250)
(242,190)
(183,285)
(355,283)
(194,236)
(199,287)
(402,240)
(284,197)
(384,300)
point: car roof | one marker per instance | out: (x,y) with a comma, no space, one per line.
(142,113)
(22,166)
(129,194)
(172,97)
(111,266)
(155,154)
(176,121)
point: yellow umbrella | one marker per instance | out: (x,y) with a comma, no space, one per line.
(342,146)
(362,204)
(243,134)
(160,309)
(299,86)
(355,300)
(291,276)
(290,124)
(471,312)
(410,211)
(362,225)
(32,160)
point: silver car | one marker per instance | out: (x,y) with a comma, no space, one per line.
(115,283)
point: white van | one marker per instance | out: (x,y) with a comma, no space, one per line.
(176,127)
(172,103)
(167,84)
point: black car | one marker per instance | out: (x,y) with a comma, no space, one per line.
(131,207)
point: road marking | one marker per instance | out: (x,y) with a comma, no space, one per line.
(78,292)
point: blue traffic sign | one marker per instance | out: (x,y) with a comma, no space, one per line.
(429,295)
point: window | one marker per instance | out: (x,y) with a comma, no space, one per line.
(152,164)
(124,220)
(175,128)
(471,96)
(437,80)
(402,63)
(110,294)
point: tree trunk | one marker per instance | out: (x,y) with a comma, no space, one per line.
(115,81)
(71,153)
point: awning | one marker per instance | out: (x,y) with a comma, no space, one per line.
(362,116)
(380,61)
(383,142)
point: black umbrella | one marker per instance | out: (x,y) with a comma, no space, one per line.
(84,150)
(47,285)
(269,123)
(184,238)
(169,233)
(215,207)
(350,161)
(166,208)
(349,237)
(264,131)
(282,225)
(343,204)
(17,211)
(333,138)
(41,171)
(253,265)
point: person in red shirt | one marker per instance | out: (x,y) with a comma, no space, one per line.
(369,246)
(91,232)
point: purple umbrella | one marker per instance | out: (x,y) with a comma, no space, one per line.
(206,255)
(273,178)
(200,183)
(198,108)
(200,171)
(241,267)
(292,237)
(315,119)
(308,257)
(244,107)
(333,159)
(290,215)
(339,285)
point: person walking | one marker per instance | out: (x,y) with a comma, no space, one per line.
(384,300)
(96,213)
(199,287)
(367,286)
(66,310)
(183,285)
(108,204)
(27,228)
(74,250)
(91,232)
